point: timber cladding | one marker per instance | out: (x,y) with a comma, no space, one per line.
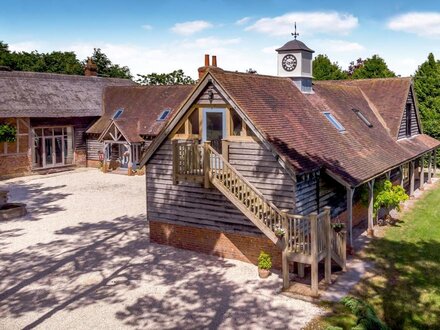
(227,245)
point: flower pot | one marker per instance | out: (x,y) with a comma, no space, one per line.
(263,273)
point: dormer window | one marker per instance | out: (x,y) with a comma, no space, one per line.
(164,115)
(334,122)
(362,117)
(408,119)
(118,113)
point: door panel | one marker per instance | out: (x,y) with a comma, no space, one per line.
(214,129)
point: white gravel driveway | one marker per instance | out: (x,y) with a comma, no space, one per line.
(81,259)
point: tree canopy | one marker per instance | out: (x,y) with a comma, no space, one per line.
(107,68)
(177,77)
(373,67)
(324,69)
(427,87)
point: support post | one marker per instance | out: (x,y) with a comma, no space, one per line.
(434,153)
(422,173)
(206,164)
(175,160)
(349,225)
(284,255)
(344,251)
(300,269)
(411,178)
(130,159)
(430,168)
(388,175)
(401,175)
(314,252)
(370,230)
(225,150)
(328,245)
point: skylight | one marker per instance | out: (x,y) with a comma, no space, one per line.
(334,121)
(362,117)
(164,114)
(118,113)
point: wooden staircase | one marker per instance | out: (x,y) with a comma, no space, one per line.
(306,239)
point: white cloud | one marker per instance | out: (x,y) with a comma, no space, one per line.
(308,23)
(425,24)
(340,46)
(210,42)
(147,27)
(25,46)
(243,20)
(188,28)
(270,50)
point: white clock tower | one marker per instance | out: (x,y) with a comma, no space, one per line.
(295,62)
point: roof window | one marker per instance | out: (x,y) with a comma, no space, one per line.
(164,114)
(362,117)
(118,113)
(334,122)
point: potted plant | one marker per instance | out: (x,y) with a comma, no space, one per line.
(264,264)
(8,133)
(338,226)
(279,232)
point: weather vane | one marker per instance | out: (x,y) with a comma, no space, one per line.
(295,34)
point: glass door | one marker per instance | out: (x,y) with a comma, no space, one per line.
(48,151)
(214,127)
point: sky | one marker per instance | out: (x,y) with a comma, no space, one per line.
(162,36)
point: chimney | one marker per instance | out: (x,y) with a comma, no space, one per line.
(90,69)
(202,70)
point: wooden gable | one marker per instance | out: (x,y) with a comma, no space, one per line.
(409,106)
(210,96)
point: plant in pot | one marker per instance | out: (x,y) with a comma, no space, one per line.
(389,197)
(338,226)
(279,232)
(264,264)
(8,133)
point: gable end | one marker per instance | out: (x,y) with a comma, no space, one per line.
(409,113)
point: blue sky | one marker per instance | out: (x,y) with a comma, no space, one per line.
(160,36)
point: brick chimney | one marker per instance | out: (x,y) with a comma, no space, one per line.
(202,70)
(90,69)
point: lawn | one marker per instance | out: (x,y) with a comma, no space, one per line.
(404,287)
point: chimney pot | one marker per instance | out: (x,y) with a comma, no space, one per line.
(206,59)
(214,60)
(90,69)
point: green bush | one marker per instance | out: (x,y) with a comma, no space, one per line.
(8,133)
(264,260)
(385,195)
(365,313)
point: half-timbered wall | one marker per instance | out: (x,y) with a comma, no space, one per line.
(415,129)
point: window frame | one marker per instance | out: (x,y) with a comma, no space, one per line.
(332,119)
(117,114)
(362,117)
(164,115)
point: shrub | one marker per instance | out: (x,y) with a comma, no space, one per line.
(385,195)
(365,313)
(8,133)
(264,260)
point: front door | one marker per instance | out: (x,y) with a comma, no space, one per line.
(214,127)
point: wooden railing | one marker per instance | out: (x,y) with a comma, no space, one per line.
(339,247)
(222,173)
(187,161)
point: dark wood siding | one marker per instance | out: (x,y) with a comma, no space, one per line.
(193,205)
(93,147)
(205,98)
(306,194)
(415,129)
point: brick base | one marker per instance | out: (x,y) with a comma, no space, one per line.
(14,165)
(93,163)
(226,245)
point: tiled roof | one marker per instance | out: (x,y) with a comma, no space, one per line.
(34,94)
(142,106)
(295,125)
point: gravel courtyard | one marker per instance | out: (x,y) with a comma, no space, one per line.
(82,259)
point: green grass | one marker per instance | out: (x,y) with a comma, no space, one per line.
(404,287)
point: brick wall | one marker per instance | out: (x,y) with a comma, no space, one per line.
(93,163)
(222,244)
(14,165)
(360,213)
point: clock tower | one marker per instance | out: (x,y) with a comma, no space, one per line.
(295,62)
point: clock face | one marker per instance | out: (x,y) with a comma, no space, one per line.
(289,62)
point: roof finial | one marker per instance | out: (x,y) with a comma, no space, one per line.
(295,34)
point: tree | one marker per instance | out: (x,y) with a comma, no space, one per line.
(177,77)
(427,87)
(107,68)
(373,67)
(324,69)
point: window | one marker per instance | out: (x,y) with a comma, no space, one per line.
(164,114)
(118,113)
(194,122)
(237,124)
(362,117)
(408,119)
(335,123)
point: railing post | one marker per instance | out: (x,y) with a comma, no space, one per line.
(284,254)
(328,244)
(314,251)
(344,250)
(206,164)
(175,148)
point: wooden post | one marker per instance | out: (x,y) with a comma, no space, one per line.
(388,175)
(175,160)
(225,150)
(401,175)
(314,252)
(350,194)
(344,251)
(430,168)
(422,173)
(411,178)
(370,230)
(328,244)
(434,152)
(284,255)
(206,164)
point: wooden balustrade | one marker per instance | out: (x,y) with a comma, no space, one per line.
(187,161)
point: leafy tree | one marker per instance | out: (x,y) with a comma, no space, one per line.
(324,69)
(107,68)
(177,77)
(427,87)
(373,67)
